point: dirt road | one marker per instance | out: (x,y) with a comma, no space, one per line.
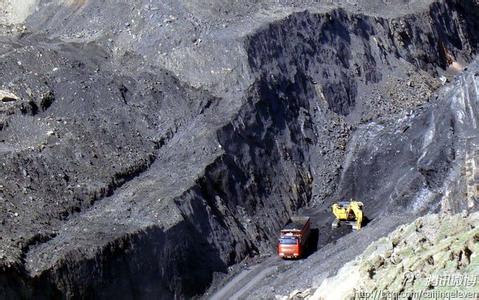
(275,276)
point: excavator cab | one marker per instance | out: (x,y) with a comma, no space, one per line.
(349,212)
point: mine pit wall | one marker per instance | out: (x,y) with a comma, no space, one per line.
(272,144)
(415,163)
(461,188)
(402,167)
(149,264)
(233,211)
(267,169)
(246,195)
(339,53)
(339,50)
(270,151)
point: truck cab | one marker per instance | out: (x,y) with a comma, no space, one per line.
(289,247)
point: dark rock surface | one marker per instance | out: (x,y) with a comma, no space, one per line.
(154,146)
(425,154)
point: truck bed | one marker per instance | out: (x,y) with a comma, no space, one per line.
(296,223)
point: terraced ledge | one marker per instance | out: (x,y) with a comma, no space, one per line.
(273,139)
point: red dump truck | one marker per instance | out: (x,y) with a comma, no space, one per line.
(294,236)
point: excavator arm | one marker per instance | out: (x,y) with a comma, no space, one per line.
(357,209)
(348,212)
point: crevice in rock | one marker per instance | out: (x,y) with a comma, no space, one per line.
(309,72)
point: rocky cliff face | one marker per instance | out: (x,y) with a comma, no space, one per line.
(433,149)
(139,160)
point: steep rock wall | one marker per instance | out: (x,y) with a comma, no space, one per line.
(284,145)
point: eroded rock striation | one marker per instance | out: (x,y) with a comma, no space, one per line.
(150,147)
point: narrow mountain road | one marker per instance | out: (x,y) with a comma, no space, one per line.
(241,284)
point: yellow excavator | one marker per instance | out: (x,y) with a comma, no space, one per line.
(350,213)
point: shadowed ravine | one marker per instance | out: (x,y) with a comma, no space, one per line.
(145,156)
